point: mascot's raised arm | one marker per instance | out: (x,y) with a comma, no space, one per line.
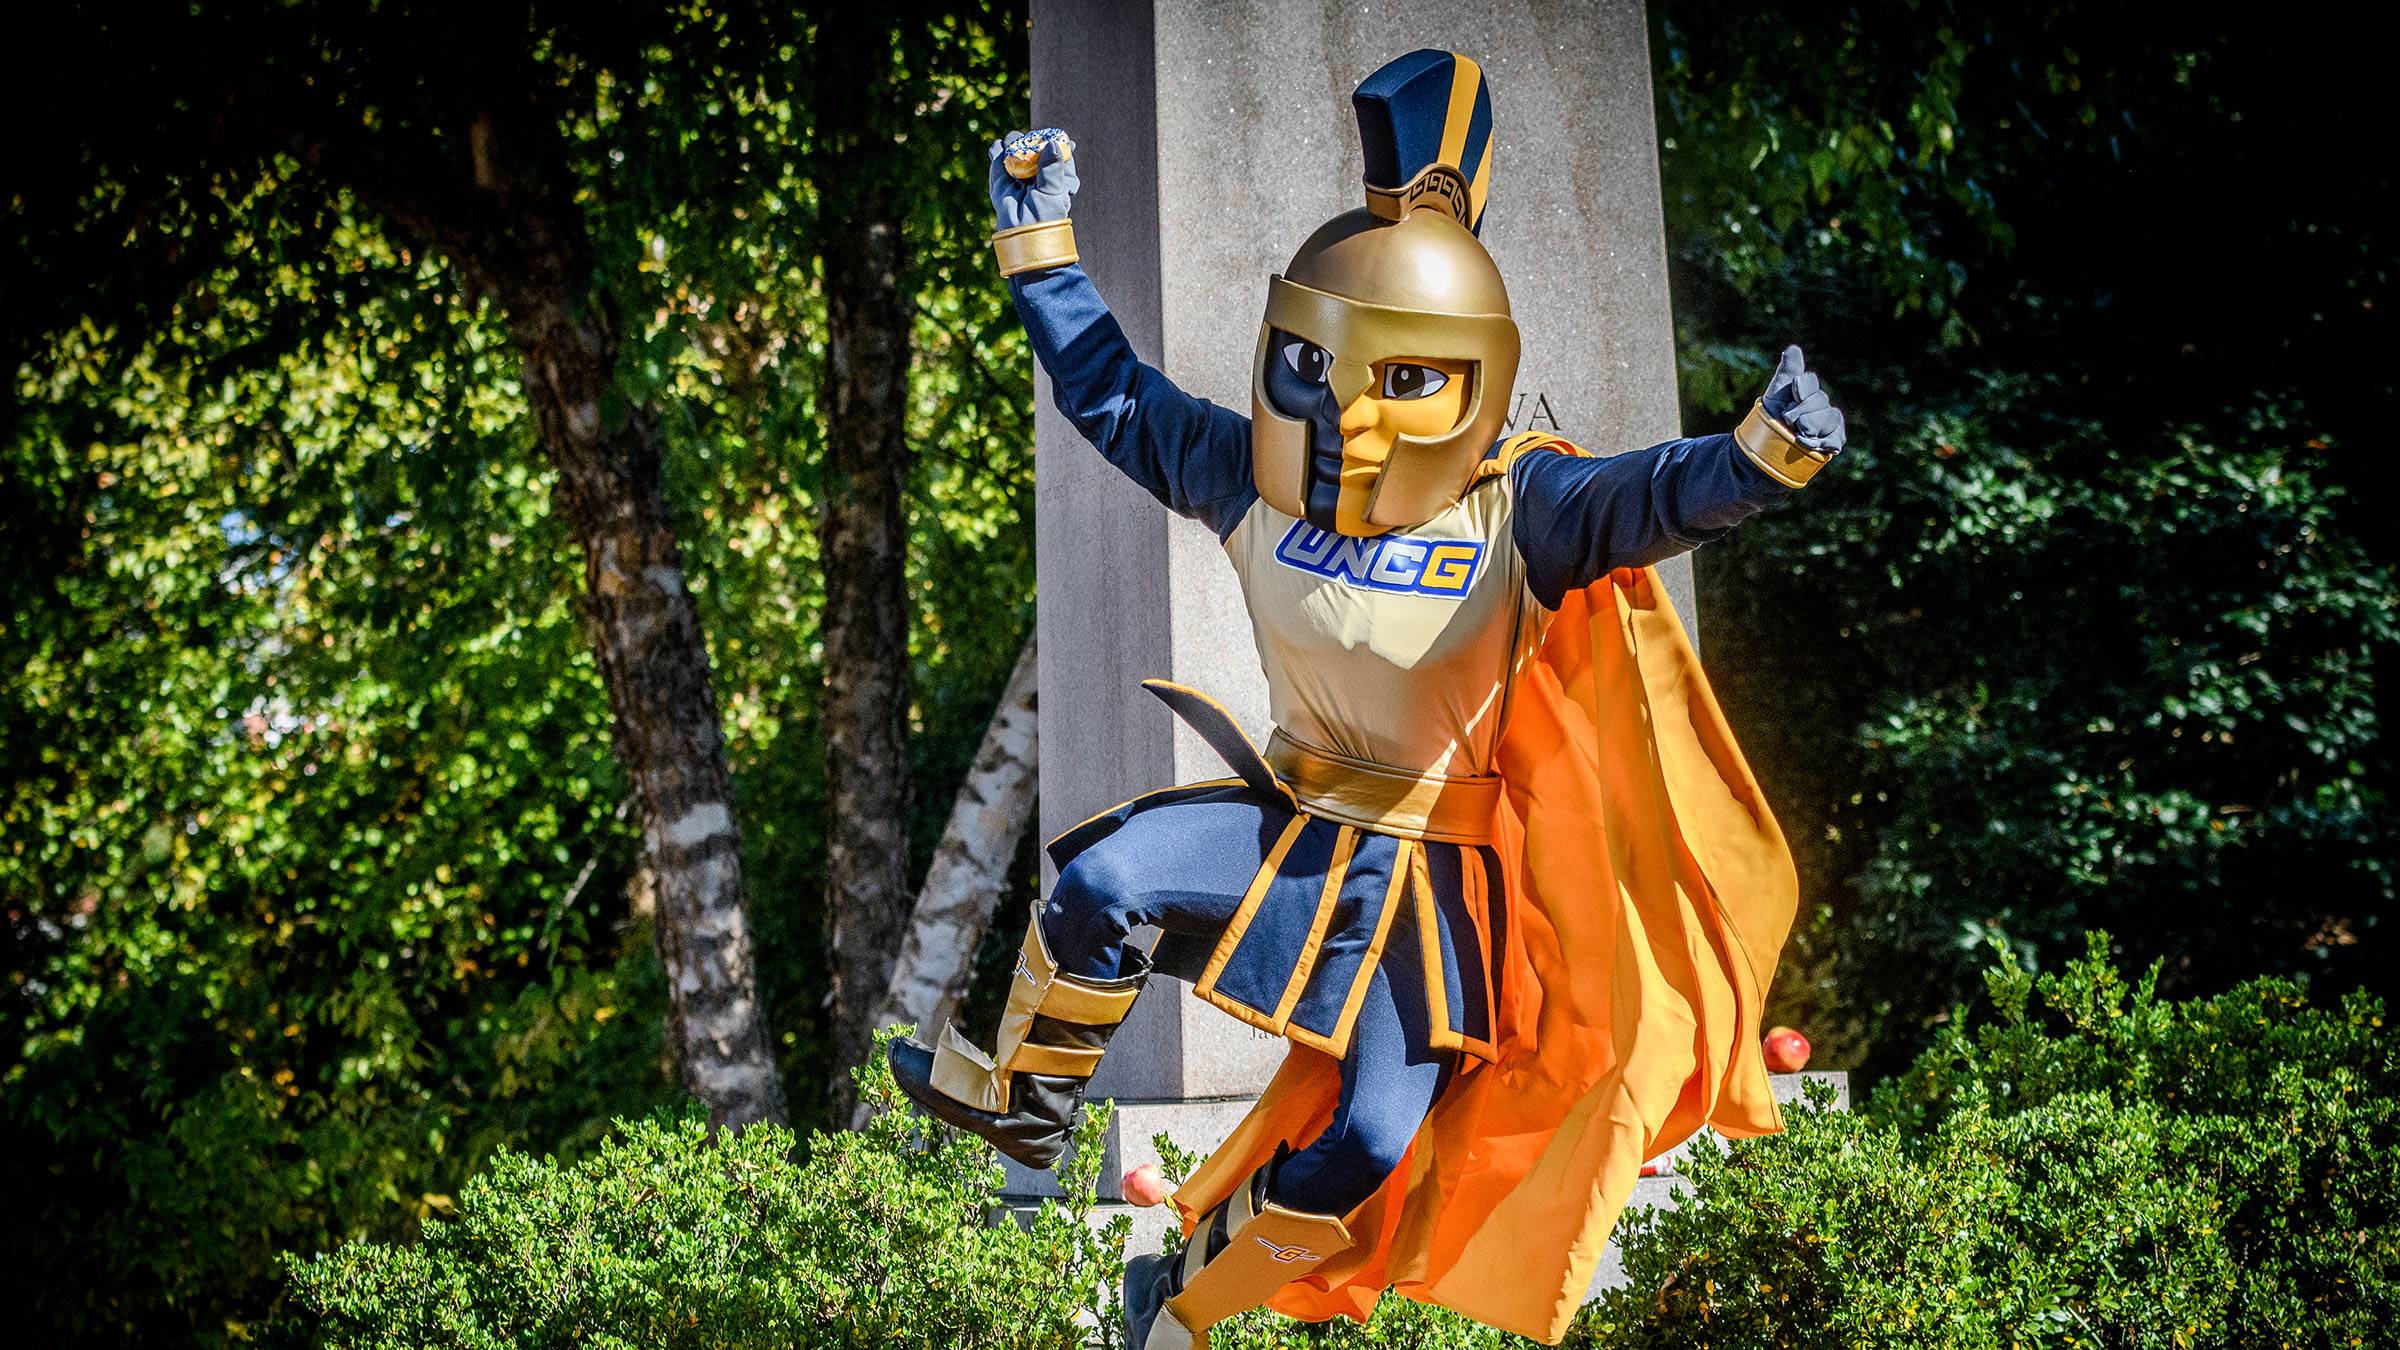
(1499,874)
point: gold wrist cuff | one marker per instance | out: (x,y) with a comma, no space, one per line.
(1031,248)
(1772,447)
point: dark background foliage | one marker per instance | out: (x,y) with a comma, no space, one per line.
(2084,632)
(316,878)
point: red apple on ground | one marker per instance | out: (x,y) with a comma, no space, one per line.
(1787,1050)
(1145,1186)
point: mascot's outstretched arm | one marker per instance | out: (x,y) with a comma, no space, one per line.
(1580,518)
(1190,454)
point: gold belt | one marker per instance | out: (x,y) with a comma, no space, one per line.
(1371,796)
(1378,797)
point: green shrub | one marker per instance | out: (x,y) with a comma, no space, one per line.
(2088,1165)
(2105,1169)
(882,1237)
(1399,1324)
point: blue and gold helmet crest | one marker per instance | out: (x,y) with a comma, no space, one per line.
(1425,120)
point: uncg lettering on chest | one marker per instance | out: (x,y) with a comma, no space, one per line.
(1442,568)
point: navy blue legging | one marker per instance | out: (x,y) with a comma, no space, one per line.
(1183,869)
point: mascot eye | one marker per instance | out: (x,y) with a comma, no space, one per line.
(1307,360)
(1404,381)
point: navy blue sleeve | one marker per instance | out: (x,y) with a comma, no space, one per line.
(1189,453)
(1579,517)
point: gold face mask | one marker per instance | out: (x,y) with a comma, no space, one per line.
(1383,373)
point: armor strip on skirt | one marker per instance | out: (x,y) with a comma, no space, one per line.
(1330,901)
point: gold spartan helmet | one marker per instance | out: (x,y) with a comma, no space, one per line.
(1402,281)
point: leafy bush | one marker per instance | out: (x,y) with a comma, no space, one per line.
(1399,1324)
(882,1237)
(2088,1165)
(2105,1169)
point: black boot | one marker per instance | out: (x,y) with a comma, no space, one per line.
(1024,1096)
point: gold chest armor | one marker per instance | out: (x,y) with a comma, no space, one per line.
(1389,659)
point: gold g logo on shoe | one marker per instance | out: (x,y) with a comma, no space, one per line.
(1283,1255)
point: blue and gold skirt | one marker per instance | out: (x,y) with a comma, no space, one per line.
(1330,902)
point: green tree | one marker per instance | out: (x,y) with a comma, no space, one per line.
(2084,629)
(901,103)
(450,127)
(321,879)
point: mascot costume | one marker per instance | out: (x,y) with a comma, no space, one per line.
(1500,874)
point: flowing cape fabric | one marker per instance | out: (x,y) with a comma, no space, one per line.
(1651,892)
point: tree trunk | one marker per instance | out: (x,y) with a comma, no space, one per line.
(864,541)
(497,197)
(646,633)
(970,865)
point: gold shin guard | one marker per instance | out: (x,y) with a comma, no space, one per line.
(1053,1024)
(1265,1248)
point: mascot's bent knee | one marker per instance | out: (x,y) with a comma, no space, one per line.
(1477,684)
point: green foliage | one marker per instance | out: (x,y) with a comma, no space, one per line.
(1927,179)
(313,887)
(317,880)
(2084,628)
(2087,1165)
(1398,1324)
(1778,176)
(2132,686)
(2091,1166)
(663,1238)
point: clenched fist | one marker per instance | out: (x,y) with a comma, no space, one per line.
(1033,177)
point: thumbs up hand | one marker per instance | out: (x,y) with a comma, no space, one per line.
(1796,399)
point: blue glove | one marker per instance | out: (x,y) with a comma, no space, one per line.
(1795,399)
(1045,195)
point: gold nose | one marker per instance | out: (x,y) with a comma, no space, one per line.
(1349,379)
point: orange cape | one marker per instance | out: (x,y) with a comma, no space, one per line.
(1650,894)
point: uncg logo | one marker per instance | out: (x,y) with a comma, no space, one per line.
(1443,568)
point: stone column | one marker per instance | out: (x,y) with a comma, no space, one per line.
(1211,138)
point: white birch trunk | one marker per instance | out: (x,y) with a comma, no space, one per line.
(970,866)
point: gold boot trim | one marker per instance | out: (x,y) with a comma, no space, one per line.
(965,1074)
(1039,990)
(1169,1333)
(1071,998)
(968,1075)
(1062,1061)
(1774,448)
(1270,1250)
